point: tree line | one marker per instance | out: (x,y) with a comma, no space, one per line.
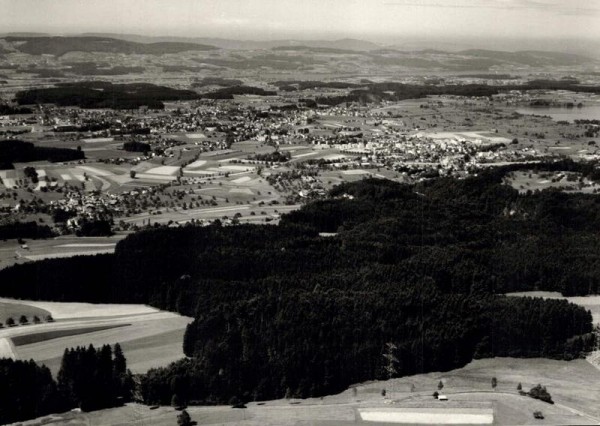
(89,378)
(393,91)
(115,96)
(25,230)
(16,151)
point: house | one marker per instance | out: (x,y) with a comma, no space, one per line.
(442,398)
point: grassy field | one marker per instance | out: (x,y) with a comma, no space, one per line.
(573,386)
(15,310)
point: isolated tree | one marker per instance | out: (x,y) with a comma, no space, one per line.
(519,386)
(132,174)
(494,383)
(23,320)
(36,319)
(390,360)
(176,401)
(440,385)
(10,321)
(49,318)
(120,362)
(184,419)
(540,392)
(436,394)
(31,173)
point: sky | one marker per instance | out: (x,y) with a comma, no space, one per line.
(376,20)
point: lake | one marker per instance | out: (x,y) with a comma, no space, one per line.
(591,112)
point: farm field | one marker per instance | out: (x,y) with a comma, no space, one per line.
(149,337)
(524,181)
(250,212)
(11,251)
(573,386)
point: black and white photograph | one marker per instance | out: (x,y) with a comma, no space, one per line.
(299,212)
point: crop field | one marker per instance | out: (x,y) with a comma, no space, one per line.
(12,252)
(95,176)
(28,339)
(74,310)
(249,212)
(234,190)
(149,337)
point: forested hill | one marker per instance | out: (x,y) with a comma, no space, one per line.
(282,311)
(59,46)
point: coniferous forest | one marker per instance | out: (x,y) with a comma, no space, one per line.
(89,379)
(282,311)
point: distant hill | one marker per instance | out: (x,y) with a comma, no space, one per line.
(309,49)
(58,46)
(344,44)
(529,57)
(291,54)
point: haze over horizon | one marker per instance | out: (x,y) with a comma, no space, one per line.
(506,24)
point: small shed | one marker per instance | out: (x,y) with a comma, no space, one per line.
(442,398)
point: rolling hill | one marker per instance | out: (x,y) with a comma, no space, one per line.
(58,46)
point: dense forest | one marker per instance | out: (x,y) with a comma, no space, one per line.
(280,310)
(16,151)
(98,94)
(26,391)
(89,379)
(11,110)
(136,146)
(24,230)
(230,91)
